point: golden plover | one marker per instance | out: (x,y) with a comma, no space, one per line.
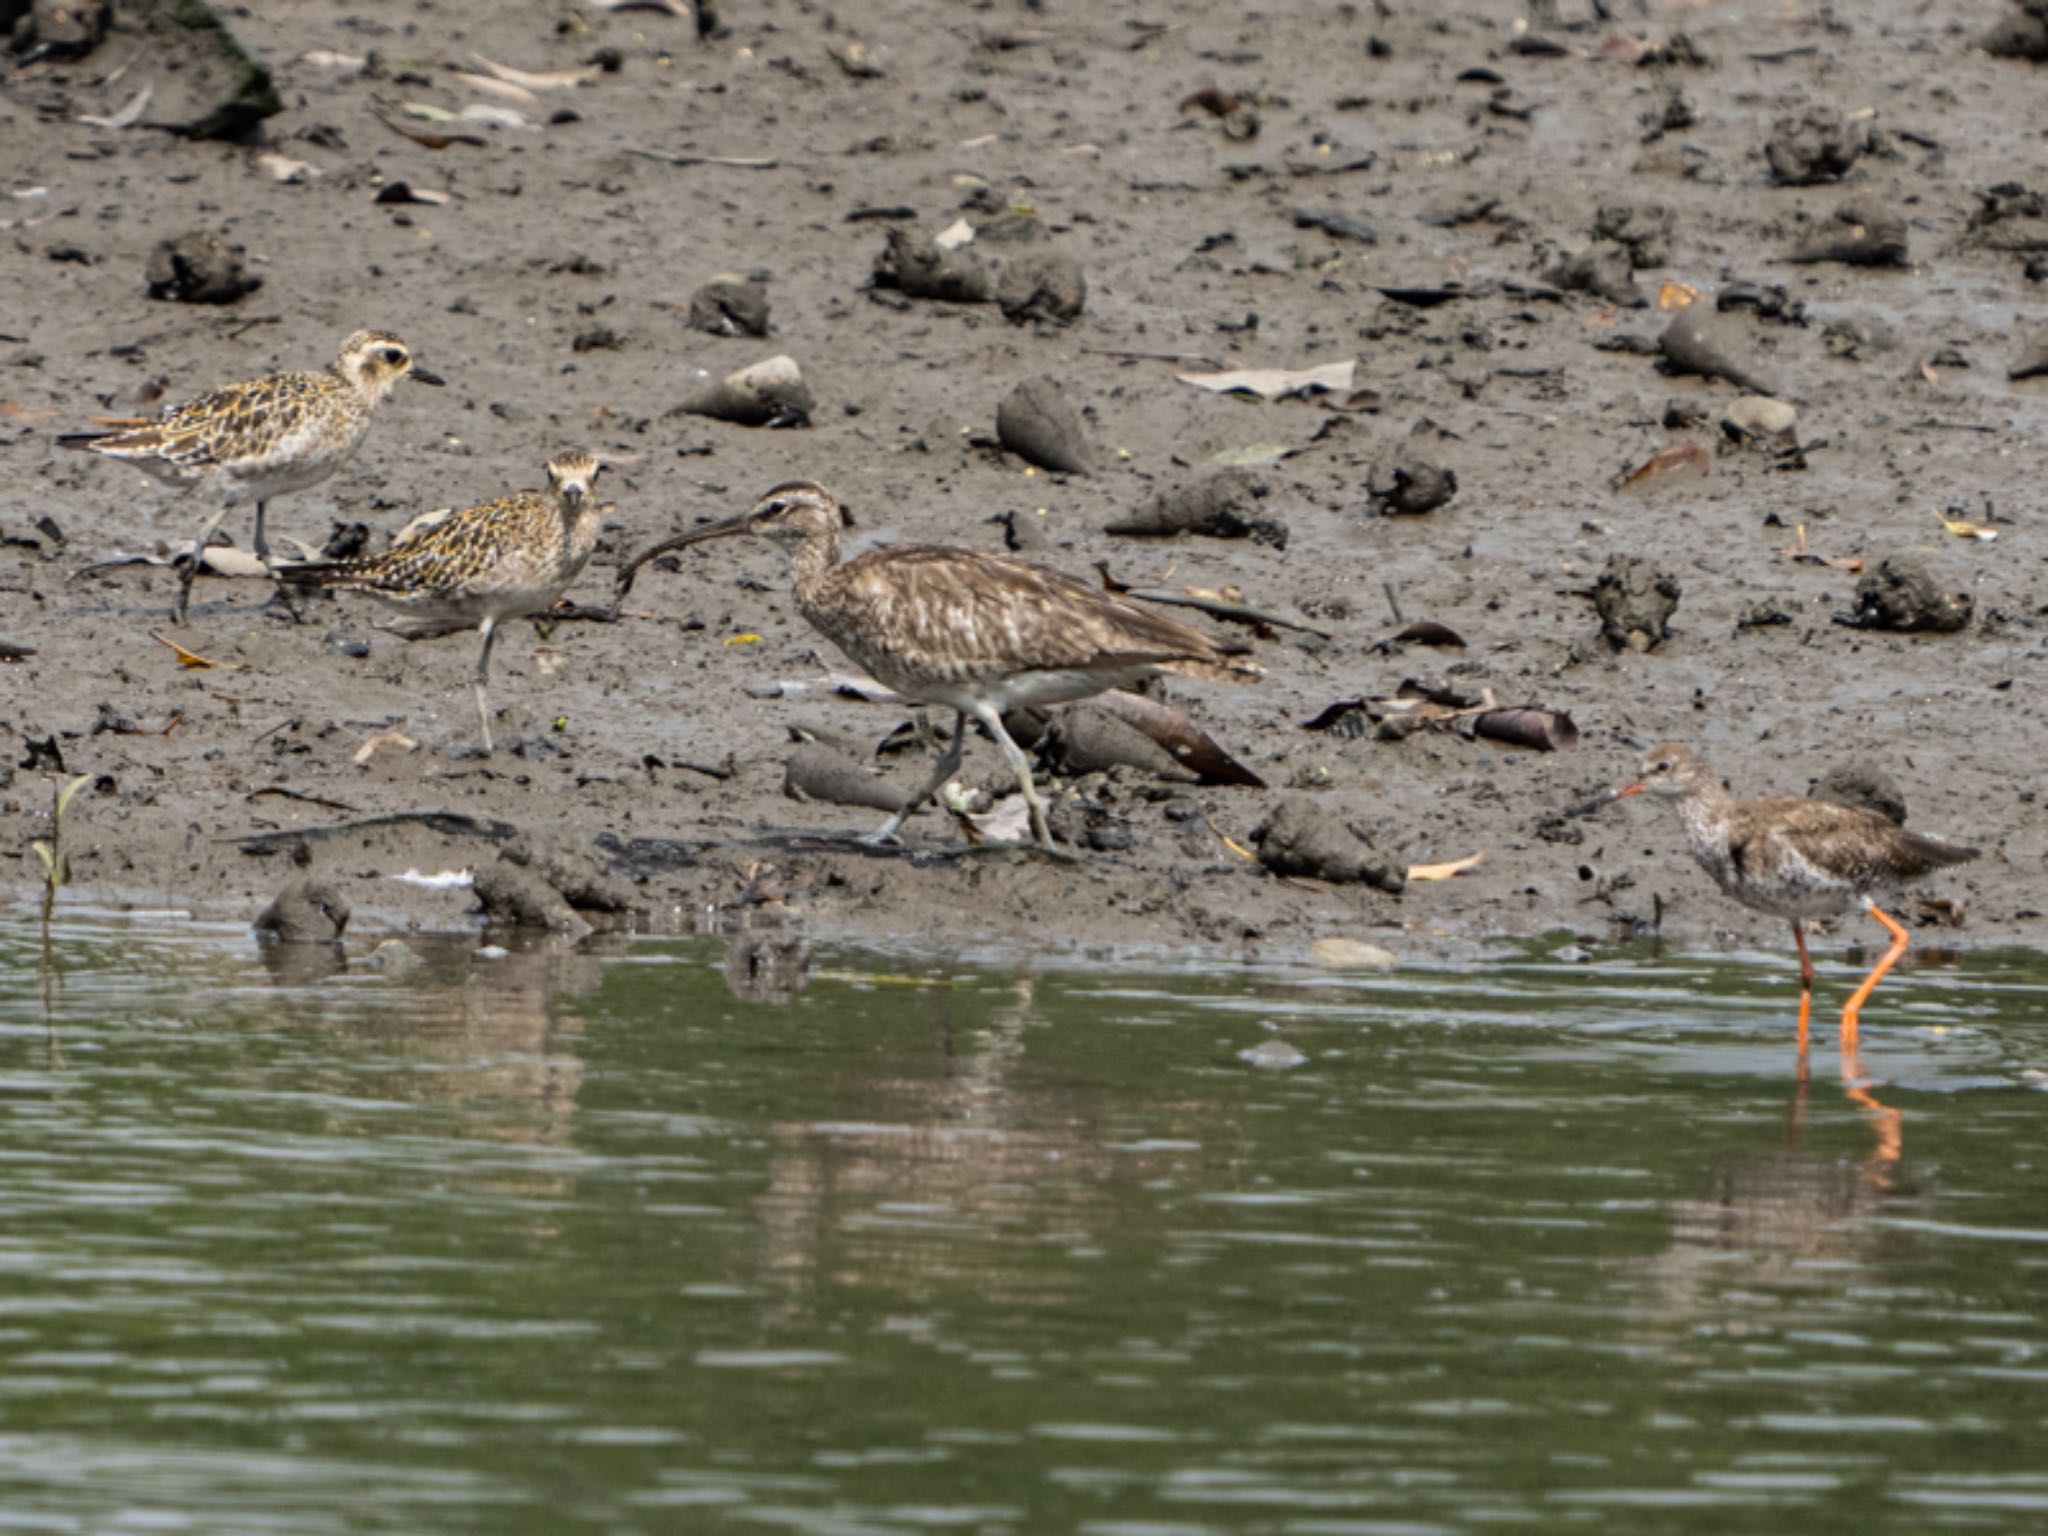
(263,437)
(481,565)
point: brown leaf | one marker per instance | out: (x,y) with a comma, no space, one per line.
(9,411)
(1429,632)
(1687,456)
(1187,743)
(1449,871)
(427,138)
(192,658)
(1677,296)
(1542,730)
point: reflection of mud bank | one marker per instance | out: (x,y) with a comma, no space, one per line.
(1407,223)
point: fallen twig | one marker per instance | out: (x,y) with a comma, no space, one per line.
(447,823)
(734,162)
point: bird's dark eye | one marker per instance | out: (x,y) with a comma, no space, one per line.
(775,508)
(393,356)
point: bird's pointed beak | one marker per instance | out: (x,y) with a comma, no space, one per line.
(426,376)
(724,528)
(1605,798)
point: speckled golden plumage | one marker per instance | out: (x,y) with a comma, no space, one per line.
(977,633)
(1795,857)
(263,437)
(480,565)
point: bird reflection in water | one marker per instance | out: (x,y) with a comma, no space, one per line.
(497,1036)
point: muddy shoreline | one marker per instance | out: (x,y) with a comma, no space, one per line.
(1405,201)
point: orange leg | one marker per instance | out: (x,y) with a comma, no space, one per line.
(1805,992)
(1887,1126)
(1890,958)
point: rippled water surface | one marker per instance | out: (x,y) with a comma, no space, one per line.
(654,1240)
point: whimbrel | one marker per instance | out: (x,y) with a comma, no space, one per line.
(977,633)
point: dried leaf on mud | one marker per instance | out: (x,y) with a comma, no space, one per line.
(1677,296)
(1277,383)
(538,80)
(491,85)
(1446,871)
(1797,552)
(426,138)
(193,659)
(1962,528)
(127,117)
(381,740)
(1429,632)
(1680,460)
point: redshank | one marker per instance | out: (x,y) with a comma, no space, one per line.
(1795,858)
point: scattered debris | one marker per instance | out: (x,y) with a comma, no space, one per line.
(771,393)
(199,268)
(1635,600)
(1036,423)
(1901,595)
(1300,838)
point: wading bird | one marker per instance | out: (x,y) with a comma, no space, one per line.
(979,634)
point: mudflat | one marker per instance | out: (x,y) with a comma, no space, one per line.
(1494,220)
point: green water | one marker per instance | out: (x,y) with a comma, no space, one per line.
(566,1241)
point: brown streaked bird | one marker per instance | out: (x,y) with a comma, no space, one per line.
(481,565)
(263,437)
(1795,858)
(978,634)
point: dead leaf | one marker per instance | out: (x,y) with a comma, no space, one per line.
(1008,821)
(381,740)
(491,85)
(9,411)
(1277,383)
(1187,743)
(1677,296)
(406,192)
(495,117)
(1257,453)
(127,117)
(1429,632)
(538,80)
(193,659)
(1449,871)
(1227,841)
(1687,456)
(1541,730)
(1799,553)
(424,137)
(1962,528)
(285,169)
(858,60)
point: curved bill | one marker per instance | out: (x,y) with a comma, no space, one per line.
(724,528)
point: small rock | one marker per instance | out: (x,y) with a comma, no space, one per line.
(198,269)
(1089,739)
(730,306)
(916,264)
(1865,234)
(1603,270)
(1759,416)
(1635,601)
(1406,484)
(1815,147)
(1299,837)
(307,911)
(2032,361)
(1036,423)
(395,958)
(1042,285)
(1272,1056)
(516,894)
(815,771)
(1224,505)
(771,393)
(1901,595)
(2019,34)
(1645,230)
(1338,954)
(1865,786)
(57,29)
(1696,342)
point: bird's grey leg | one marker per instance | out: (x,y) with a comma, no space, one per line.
(192,566)
(949,765)
(489,627)
(1021,766)
(281,594)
